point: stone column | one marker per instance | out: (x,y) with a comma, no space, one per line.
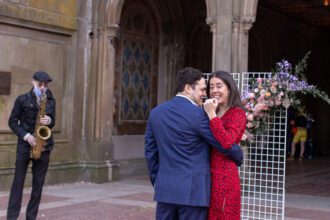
(175,59)
(105,84)
(109,69)
(221,27)
(223,35)
(99,151)
(243,43)
(212,23)
(112,34)
(235,46)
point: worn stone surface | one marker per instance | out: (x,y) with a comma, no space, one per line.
(132,198)
(59,13)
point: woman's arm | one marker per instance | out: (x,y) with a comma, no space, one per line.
(227,136)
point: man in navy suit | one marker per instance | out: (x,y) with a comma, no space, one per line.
(177,142)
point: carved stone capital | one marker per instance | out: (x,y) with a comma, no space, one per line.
(247,24)
(112,31)
(212,21)
(236,24)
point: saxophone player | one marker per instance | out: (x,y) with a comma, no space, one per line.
(22,121)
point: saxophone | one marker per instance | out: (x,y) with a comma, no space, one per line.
(42,133)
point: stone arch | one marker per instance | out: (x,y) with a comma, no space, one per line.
(136,66)
(114,10)
(101,13)
(249,8)
(199,46)
(170,19)
(167,11)
(211,8)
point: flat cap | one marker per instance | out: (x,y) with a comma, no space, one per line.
(42,76)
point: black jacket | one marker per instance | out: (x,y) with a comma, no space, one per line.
(23,117)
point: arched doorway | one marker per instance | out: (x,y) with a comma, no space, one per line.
(136,73)
(152,41)
(147,32)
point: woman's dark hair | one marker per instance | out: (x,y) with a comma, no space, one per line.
(234,98)
(188,76)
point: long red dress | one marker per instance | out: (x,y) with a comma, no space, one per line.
(226,191)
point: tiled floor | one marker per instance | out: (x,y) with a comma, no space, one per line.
(307,197)
(308,189)
(129,199)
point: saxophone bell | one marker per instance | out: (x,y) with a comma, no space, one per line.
(44,132)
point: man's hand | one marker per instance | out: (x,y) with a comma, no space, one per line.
(31,139)
(237,154)
(45,120)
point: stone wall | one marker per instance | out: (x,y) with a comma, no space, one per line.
(59,13)
(46,35)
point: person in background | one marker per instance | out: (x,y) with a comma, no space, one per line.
(22,122)
(227,122)
(310,133)
(177,143)
(300,136)
(291,128)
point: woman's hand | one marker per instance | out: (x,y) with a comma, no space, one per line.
(210,106)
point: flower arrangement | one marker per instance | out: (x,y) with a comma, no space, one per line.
(277,90)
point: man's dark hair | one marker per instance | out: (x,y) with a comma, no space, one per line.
(188,76)
(234,98)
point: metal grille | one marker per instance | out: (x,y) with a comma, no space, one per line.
(263,172)
(236,77)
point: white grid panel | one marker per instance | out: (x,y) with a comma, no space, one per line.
(263,172)
(236,77)
(206,76)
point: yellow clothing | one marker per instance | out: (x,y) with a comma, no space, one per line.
(301,135)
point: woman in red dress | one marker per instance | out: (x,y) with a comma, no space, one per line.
(227,122)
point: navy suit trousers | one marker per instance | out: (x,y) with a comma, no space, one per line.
(166,211)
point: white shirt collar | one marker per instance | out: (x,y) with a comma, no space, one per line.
(194,103)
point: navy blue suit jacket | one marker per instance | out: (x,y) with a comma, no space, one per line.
(177,141)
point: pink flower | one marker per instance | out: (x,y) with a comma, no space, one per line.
(244,137)
(259,80)
(256,114)
(260,107)
(250,117)
(249,125)
(251,95)
(261,98)
(270,103)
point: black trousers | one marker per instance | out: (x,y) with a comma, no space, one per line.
(39,170)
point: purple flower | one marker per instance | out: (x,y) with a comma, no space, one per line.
(286,64)
(245,94)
